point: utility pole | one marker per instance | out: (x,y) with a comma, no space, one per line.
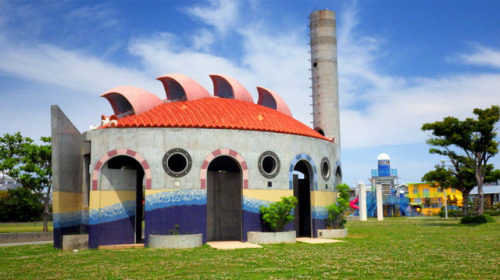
(444,193)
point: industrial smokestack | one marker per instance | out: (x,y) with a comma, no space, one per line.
(324,75)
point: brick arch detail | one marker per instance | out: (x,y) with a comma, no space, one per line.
(121,152)
(292,166)
(223,152)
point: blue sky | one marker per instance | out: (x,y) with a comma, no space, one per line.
(401,63)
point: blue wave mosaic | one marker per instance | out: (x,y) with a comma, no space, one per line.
(175,198)
(253,205)
(70,219)
(319,212)
(112,213)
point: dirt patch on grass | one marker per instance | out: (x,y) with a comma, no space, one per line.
(358,235)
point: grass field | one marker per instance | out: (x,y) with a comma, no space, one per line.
(396,248)
(23,227)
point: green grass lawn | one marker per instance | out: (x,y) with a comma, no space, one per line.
(396,248)
(23,227)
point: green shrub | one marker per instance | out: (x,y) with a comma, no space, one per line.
(480,219)
(492,212)
(489,218)
(278,214)
(451,213)
(336,211)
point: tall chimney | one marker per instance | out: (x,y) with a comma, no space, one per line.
(324,75)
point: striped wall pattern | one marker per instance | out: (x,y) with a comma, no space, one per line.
(223,152)
(292,166)
(121,152)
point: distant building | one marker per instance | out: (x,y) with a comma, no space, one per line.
(428,198)
(7,182)
(491,194)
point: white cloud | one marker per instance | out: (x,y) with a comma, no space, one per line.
(482,56)
(203,40)
(100,14)
(69,69)
(221,14)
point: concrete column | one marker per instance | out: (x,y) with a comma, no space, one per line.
(324,74)
(362,201)
(380,209)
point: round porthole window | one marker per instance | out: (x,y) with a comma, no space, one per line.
(269,164)
(177,162)
(325,168)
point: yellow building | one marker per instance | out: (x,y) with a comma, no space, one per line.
(428,198)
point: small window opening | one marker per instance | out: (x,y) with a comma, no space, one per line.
(325,168)
(177,163)
(268,164)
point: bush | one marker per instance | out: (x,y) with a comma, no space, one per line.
(278,214)
(451,213)
(480,219)
(492,212)
(336,211)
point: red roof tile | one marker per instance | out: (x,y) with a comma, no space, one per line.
(212,112)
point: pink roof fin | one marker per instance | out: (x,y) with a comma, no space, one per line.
(127,100)
(182,88)
(227,87)
(272,100)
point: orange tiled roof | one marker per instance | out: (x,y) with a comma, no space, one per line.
(214,112)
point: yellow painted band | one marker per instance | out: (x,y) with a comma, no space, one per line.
(100,199)
(64,202)
(267,195)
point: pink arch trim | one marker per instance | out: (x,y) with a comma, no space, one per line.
(272,100)
(223,81)
(192,89)
(141,100)
(223,152)
(121,152)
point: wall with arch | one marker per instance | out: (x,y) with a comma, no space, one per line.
(179,197)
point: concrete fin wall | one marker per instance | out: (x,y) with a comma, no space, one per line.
(66,153)
(67,162)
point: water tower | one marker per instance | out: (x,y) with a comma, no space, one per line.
(384,175)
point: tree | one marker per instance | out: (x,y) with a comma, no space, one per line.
(493,176)
(457,176)
(19,205)
(471,142)
(29,164)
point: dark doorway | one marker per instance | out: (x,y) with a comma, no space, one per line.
(224,184)
(302,182)
(126,174)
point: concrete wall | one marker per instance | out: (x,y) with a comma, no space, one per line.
(153,143)
(67,148)
(182,200)
(21,237)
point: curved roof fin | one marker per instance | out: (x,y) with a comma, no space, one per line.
(127,100)
(227,87)
(272,100)
(179,87)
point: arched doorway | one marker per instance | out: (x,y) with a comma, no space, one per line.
(122,184)
(224,195)
(302,185)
